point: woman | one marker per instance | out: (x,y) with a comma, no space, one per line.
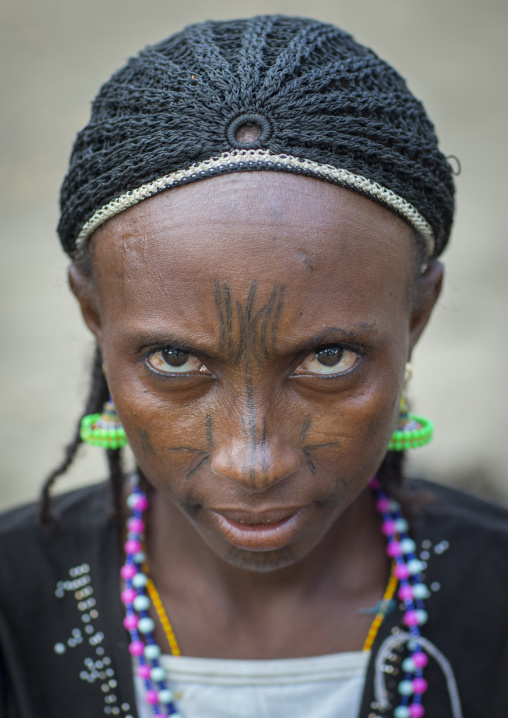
(254,215)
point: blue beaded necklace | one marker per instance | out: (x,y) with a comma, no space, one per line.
(400,549)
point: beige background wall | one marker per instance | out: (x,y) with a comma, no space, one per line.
(54,55)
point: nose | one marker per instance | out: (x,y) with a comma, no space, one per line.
(257,461)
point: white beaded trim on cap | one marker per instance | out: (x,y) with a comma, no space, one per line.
(252,159)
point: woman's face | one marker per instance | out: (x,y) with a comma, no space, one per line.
(254,329)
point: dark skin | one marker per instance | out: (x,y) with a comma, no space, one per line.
(254,329)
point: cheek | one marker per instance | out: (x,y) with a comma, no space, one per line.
(356,432)
(168,441)
(341,435)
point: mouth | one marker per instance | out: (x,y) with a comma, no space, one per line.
(265,531)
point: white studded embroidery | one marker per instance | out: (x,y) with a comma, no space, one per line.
(96,669)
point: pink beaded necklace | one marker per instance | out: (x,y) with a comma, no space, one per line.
(412,592)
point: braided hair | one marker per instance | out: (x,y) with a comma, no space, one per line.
(276,93)
(97,396)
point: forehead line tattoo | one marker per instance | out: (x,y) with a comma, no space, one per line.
(248,333)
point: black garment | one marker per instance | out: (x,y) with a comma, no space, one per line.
(63,648)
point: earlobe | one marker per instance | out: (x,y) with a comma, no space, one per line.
(429,288)
(83,288)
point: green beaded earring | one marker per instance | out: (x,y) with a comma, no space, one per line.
(103,429)
(412,431)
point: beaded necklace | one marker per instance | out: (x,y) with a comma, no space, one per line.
(379,610)
(406,571)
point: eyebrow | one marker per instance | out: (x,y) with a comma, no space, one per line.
(355,335)
(144,340)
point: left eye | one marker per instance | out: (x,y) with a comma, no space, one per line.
(329,360)
(174,361)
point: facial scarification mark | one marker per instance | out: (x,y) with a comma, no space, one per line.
(264,460)
(222,296)
(313,447)
(255,328)
(277,313)
(307,423)
(248,425)
(249,336)
(209,430)
(144,438)
(203,456)
(251,425)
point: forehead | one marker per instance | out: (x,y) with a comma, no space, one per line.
(320,241)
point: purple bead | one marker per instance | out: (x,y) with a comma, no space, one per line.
(135,525)
(143,670)
(405,593)
(131,622)
(136,648)
(401,571)
(416,710)
(383,504)
(394,549)
(419,685)
(132,546)
(420,659)
(411,618)
(151,697)
(128,571)
(141,503)
(128,595)
(374,483)
(388,528)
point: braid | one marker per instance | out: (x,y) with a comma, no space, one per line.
(392,477)
(116,476)
(391,472)
(98,396)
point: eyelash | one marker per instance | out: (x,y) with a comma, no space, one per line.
(359,351)
(166,347)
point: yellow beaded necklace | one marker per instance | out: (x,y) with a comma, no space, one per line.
(371,636)
(378,618)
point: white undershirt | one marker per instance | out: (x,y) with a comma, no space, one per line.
(319,687)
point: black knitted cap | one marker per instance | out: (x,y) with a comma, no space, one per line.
(267,93)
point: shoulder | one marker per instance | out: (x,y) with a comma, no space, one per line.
(72,509)
(463,542)
(460,511)
(34,559)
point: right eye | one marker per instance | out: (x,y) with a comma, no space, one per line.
(174,361)
(328,361)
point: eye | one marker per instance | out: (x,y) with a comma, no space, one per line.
(328,360)
(174,361)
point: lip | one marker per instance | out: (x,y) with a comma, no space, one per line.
(264,531)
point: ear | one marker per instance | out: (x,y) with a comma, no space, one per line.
(83,288)
(426,295)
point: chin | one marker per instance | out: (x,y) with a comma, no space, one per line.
(261,561)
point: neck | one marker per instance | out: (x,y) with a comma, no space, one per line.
(349,562)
